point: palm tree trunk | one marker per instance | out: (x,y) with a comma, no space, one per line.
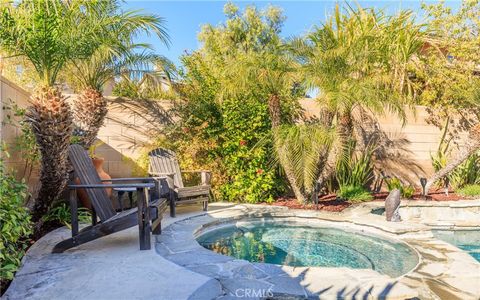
(472,146)
(345,127)
(294,185)
(274,110)
(90,109)
(326,117)
(51,121)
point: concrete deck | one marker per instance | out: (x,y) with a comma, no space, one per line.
(113,268)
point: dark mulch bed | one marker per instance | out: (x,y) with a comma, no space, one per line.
(326,203)
(438,195)
(331,203)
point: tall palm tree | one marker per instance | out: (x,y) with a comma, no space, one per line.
(49,33)
(117,55)
(358,59)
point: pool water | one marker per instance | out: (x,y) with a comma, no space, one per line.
(296,245)
(468,240)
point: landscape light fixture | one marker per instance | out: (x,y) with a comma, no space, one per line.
(423,182)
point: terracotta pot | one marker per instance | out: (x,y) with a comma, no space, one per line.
(82,194)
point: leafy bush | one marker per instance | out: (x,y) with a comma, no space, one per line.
(395,183)
(15,225)
(220,120)
(62,214)
(354,169)
(470,190)
(467,173)
(354,193)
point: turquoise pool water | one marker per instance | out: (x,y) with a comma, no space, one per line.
(468,240)
(294,245)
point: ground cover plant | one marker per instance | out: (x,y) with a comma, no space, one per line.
(15,227)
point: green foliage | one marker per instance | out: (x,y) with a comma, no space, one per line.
(117,54)
(354,193)
(222,119)
(246,166)
(302,151)
(470,190)
(48,33)
(360,57)
(466,173)
(15,226)
(446,76)
(134,89)
(354,168)
(395,183)
(61,213)
(126,88)
(25,143)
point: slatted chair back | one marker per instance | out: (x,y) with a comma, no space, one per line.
(165,161)
(86,173)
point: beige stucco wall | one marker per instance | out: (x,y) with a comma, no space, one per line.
(127,130)
(11,94)
(130,124)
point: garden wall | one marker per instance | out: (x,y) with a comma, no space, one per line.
(11,95)
(130,123)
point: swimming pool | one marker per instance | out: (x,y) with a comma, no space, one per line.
(468,240)
(295,244)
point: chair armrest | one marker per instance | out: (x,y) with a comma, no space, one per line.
(161,174)
(114,185)
(196,171)
(129,179)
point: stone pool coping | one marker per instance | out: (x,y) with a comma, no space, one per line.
(439,273)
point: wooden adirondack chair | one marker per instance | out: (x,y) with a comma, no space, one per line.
(110,221)
(164,163)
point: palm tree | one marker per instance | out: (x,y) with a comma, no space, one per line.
(302,151)
(48,33)
(358,59)
(117,55)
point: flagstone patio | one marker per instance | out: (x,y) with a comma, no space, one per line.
(179,268)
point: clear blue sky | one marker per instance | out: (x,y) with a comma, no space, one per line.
(185,18)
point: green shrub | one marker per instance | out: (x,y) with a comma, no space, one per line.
(354,169)
(354,193)
(470,190)
(62,214)
(467,173)
(407,191)
(395,183)
(15,225)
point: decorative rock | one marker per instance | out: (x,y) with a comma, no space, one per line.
(392,205)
